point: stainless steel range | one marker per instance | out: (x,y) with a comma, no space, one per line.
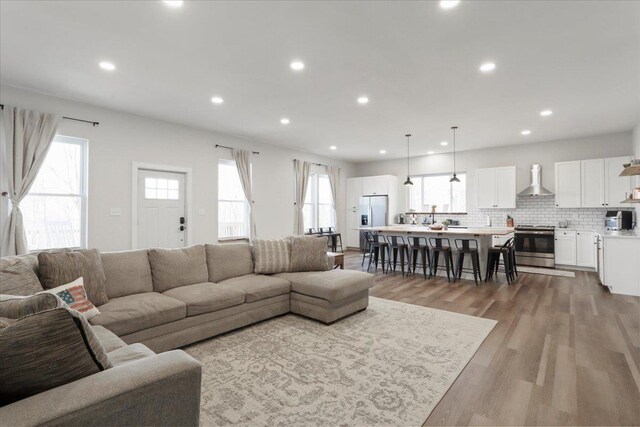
(535,245)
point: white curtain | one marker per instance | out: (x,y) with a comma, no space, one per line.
(334,181)
(301,171)
(243,164)
(26,138)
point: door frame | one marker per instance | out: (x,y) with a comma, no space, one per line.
(135,171)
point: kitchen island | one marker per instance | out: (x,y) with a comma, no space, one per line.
(485,237)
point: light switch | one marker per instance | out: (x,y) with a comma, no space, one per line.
(201,212)
(115,212)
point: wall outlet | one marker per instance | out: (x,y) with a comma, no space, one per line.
(115,212)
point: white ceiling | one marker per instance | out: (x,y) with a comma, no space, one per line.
(417,63)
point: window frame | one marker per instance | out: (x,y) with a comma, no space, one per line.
(247,223)
(313,189)
(84,188)
(422,187)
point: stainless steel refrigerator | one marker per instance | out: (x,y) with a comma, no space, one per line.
(374,212)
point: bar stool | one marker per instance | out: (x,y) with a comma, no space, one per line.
(441,245)
(368,241)
(377,249)
(398,244)
(468,246)
(419,245)
(310,231)
(493,261)
(336,240)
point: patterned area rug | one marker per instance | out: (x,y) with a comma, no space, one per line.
(388,365)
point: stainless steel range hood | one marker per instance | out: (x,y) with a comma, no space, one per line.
(536,188)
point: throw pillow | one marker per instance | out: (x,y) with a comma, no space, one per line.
(17,278)
(15,307)
(171,268)
(308,253)
(58,268)
(228,260)
(46,350)
(75,296)
(271,256)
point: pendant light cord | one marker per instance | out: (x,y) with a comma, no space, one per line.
(408,136)
(454,148)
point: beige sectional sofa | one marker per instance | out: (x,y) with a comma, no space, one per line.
(162,299)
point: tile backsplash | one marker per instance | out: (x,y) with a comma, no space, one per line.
(532,211)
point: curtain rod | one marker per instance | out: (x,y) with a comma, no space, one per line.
(231,148)
(316,164)
(69,118)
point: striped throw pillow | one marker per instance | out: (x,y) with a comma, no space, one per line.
(271,256)
(75,296)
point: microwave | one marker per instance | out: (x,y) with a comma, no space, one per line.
(618,220)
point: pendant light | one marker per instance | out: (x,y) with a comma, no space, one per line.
(408,181)
(454,178)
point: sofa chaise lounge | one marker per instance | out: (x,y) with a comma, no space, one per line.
(163,299)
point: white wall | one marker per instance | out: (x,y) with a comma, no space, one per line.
(522,156)
(122,138)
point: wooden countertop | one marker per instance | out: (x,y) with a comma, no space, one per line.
(420,229)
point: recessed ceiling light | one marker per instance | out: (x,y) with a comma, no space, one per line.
(363,100)
(217,100)
(173,3)
(545,113)
(108,66)
(430,152)
(383,151)
(443,143)
(487,67)
(449,4)
(297,65)
(285,121)
(525,132)
(333,147)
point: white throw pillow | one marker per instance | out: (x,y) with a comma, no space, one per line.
(75,296)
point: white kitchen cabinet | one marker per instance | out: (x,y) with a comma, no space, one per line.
(496,188)
(352,235)
(616,187)
(375,185)
(567,180)
(585,253)
(565,247)
(601,184)
(592,183)
(354,192)
(621,261)
(600,258)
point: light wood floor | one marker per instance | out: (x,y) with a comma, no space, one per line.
(564,352)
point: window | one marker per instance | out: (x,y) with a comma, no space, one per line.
(54,211)
(161,189)
(233,208)
(318,205)
(436,190)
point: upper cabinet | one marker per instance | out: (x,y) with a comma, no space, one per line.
(616,187)
(593,179)
(593,183)
(496,188)
(354,192)
(375,185)
(568,184)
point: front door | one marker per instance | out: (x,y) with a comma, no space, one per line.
(161,209)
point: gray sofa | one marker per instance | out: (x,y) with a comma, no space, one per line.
(160,300)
